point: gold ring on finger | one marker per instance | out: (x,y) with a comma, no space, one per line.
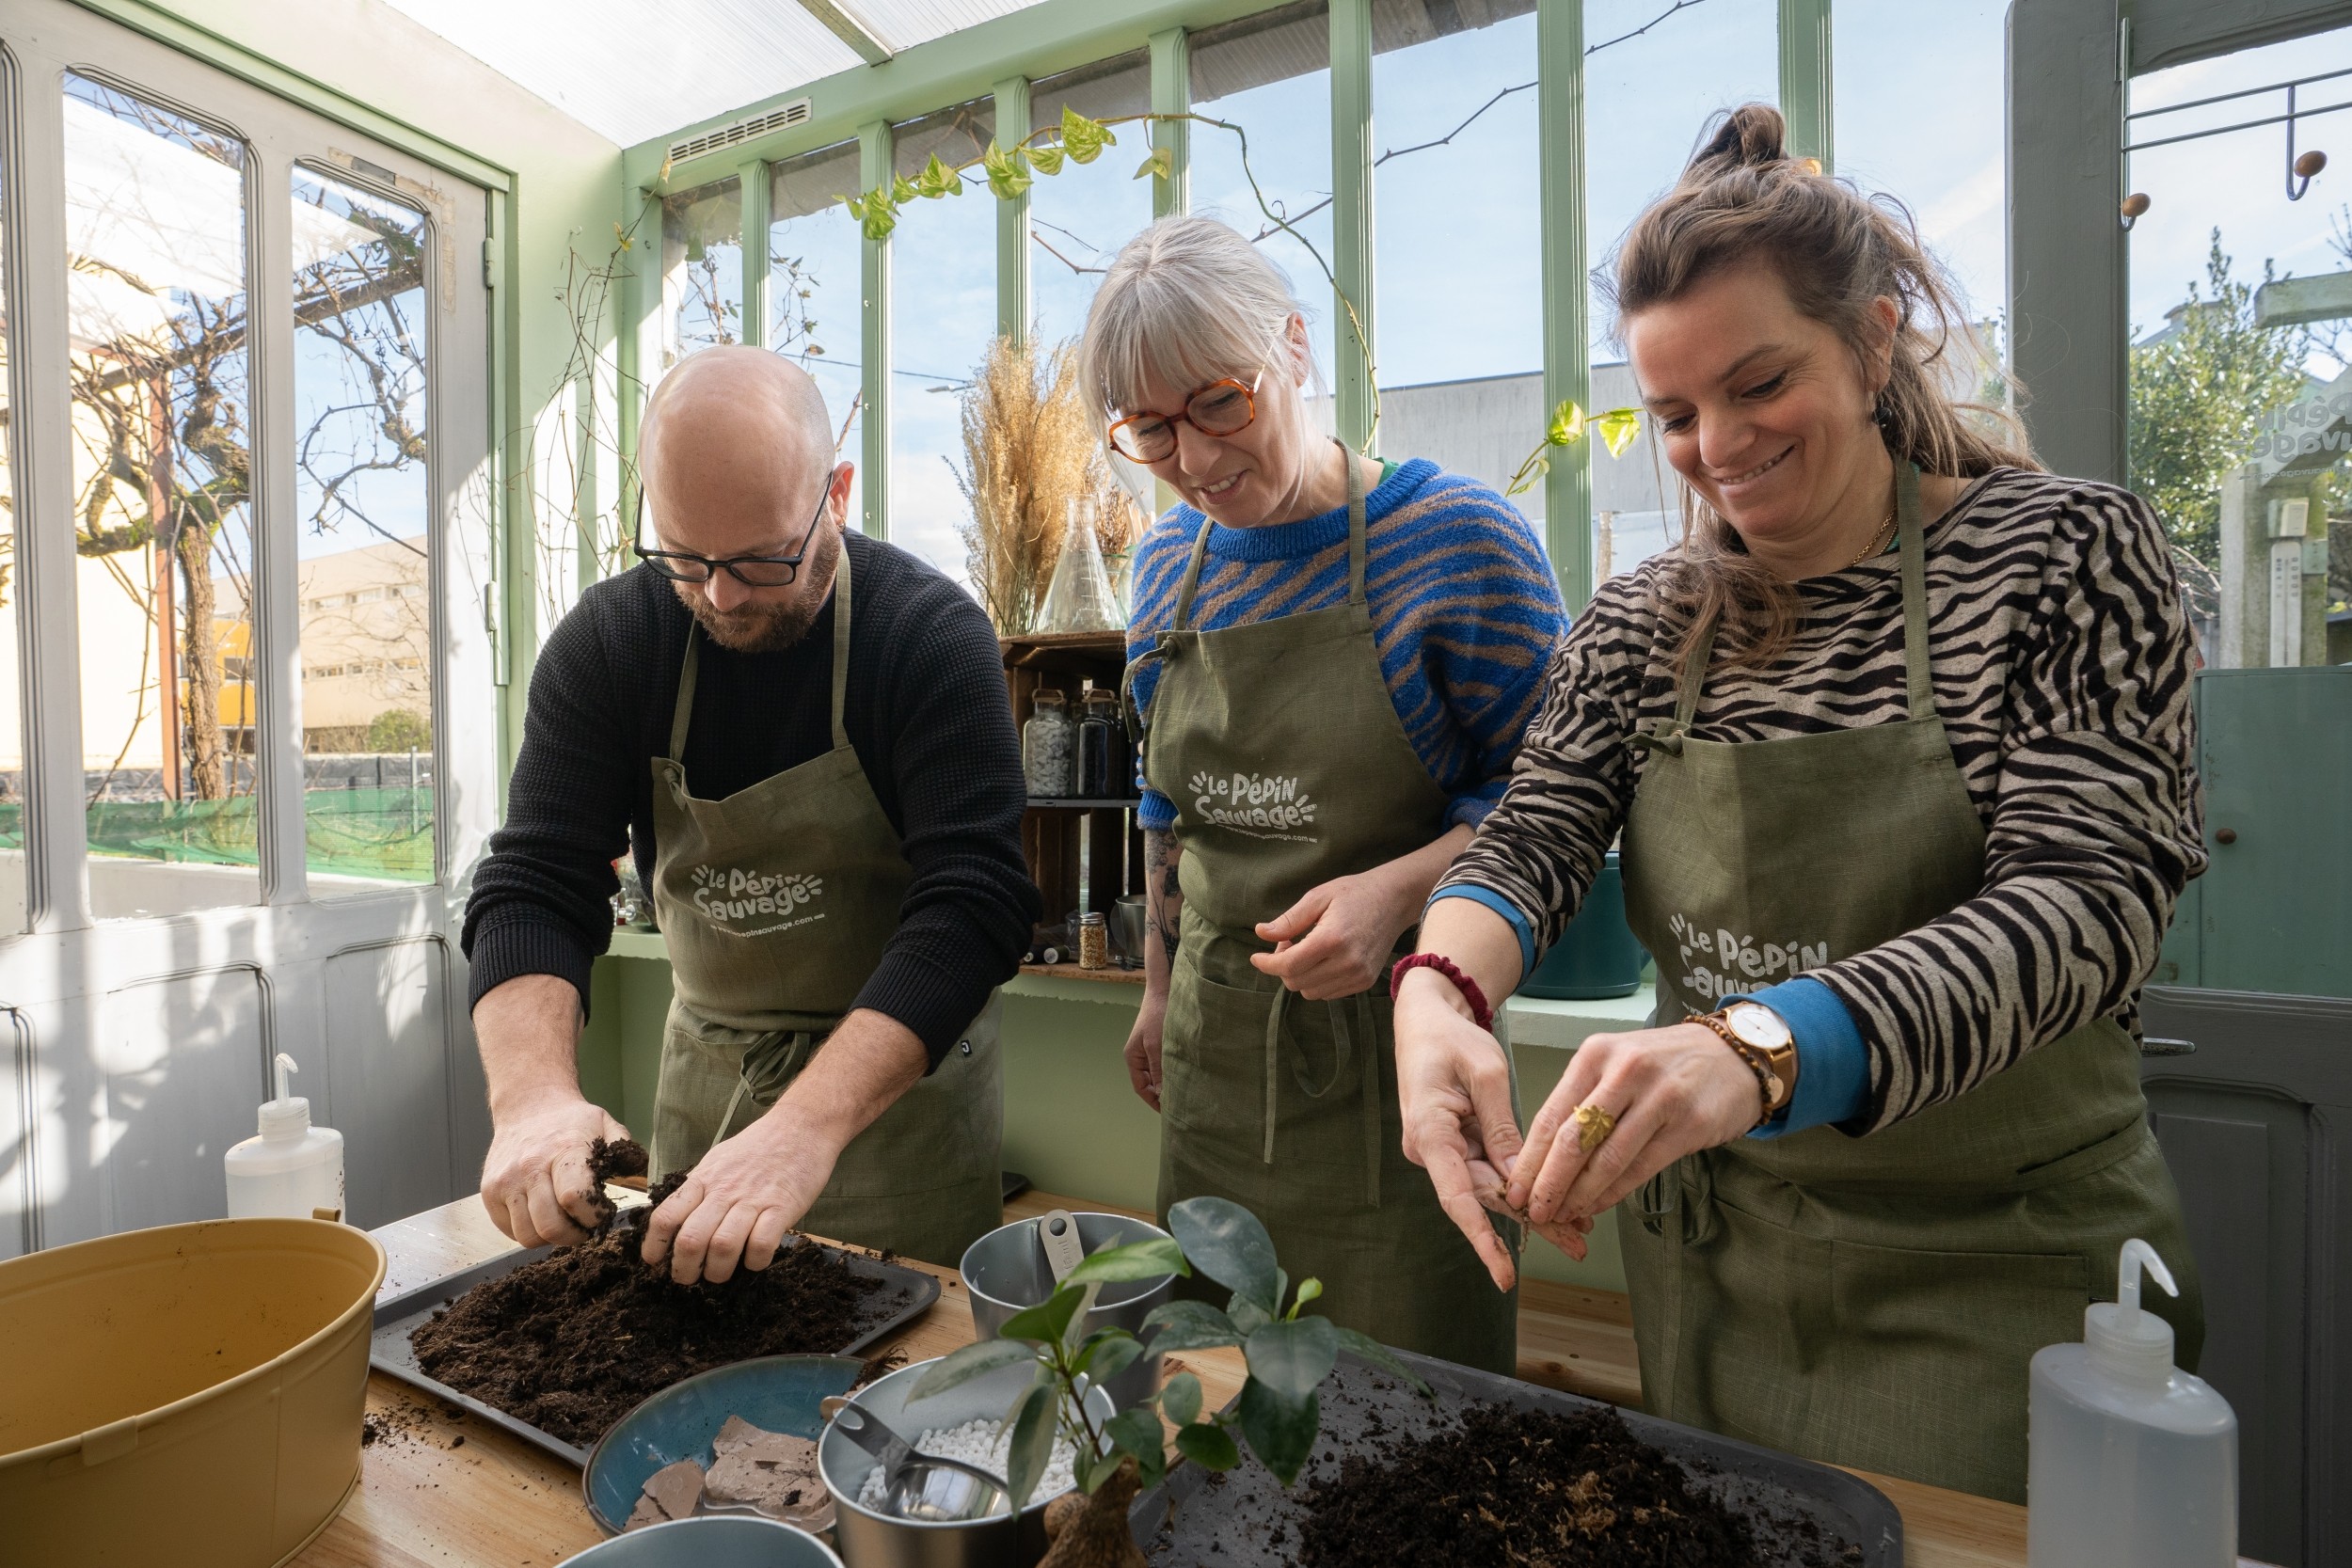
(1593,1126)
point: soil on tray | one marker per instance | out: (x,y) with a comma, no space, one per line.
(573,1342)
(1532,1488)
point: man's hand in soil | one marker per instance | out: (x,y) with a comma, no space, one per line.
(749,1191)
(536,1183)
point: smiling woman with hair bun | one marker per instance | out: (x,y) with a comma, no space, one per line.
(1899,742)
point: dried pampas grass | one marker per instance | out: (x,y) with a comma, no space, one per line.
(1029,450)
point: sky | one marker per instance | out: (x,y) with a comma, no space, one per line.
(1919,93)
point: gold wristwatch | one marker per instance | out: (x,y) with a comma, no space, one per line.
(1761,1038)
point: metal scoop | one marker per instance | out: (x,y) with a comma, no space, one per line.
(919,1486)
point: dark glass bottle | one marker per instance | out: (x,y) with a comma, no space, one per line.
(1098,747)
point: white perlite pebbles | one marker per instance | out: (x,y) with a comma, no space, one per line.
(987,1443)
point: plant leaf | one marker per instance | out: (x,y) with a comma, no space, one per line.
(937,180)
(1372,1350)
(1082,138)
(1045,160)
(1567,426)
(1180,1401)
(1293,1357)
(1102,1470)
(1618,427)
(1138,1260)
(1073,1332)
(1008,172)
(1048,1320)
(1249,1316)
(962,1366)
(1191,1326)
(1032,1443)
(1280,1430)
(1137,1432)
(1111,1358)
(903,190)
(1160,164)
(1226,1243)
(1309,1290)
(1209,1446)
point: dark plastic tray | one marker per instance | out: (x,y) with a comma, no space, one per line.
(1177,1523)
(398,1317)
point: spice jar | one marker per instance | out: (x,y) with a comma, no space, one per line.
(1094,942)
(1099,750)
(1048,741)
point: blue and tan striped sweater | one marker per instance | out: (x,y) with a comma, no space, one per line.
(1463,610)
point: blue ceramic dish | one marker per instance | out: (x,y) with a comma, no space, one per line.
(709,1543)
(779,1393)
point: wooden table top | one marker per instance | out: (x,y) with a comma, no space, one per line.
(438,1491)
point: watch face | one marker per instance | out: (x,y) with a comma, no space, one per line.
(1758,1024)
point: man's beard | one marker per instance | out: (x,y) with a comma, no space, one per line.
(767,628)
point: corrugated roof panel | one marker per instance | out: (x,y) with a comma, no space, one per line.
(614,68)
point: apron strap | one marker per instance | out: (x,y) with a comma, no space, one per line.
(796,1049)
(1192,575)
(684,709)
(1912,528)
(841,646)
(1344,1054)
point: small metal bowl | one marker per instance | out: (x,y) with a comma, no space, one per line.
(778,1393)
(713,1542)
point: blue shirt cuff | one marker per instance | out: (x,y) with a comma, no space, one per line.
(1504,907)
(1833,1068)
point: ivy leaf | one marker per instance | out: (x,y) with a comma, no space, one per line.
(1209,1446)
(1149,1259)
(1112,1357)
(1082,138)
(1226,1243)
(1368,1349)
(876,213)
(1161,165)
(1032,1442)
(1008,172)
(1618,427)
(937,180)
(1191,1326)
(903,190)
(1180,1401)
(962,1366)
(1567,426)
(1293,1358)
(1137,1432)
(1045,160)
(626,240)
(1280,1430)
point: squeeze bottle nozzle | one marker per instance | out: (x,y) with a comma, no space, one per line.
(2126,1341)
(289,1115)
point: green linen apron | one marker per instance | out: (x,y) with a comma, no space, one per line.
(775,904)
(1281,748)
(1874,1301)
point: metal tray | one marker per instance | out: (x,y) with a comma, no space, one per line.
(1230,1525)
(398,1317)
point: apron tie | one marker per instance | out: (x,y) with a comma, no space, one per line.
(764,1065)
(1343,1055)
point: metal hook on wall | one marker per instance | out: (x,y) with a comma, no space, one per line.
(2300,170)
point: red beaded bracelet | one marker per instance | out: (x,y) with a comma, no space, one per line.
(1481,1014)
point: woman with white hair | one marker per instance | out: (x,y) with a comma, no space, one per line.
(1333,659)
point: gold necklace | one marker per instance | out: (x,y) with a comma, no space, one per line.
(1880,537)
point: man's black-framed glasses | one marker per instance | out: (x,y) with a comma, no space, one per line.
(753,571)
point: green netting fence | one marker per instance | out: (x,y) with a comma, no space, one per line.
(384,833)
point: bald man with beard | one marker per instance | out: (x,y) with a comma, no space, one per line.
(803,735)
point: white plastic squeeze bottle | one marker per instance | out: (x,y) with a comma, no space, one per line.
(291,1171)
(2133,1463)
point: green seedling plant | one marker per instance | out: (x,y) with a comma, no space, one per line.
(1289,1354)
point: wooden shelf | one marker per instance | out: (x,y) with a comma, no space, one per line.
(1100,976)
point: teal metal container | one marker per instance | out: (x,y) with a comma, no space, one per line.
(1597,957)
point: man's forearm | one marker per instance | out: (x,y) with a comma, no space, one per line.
(1163,907)
(859,1072)
(529,1031)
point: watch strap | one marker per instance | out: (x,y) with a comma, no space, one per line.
(1769,1087)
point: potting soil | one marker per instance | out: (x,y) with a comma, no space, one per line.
(573,1342)
(1533,1489)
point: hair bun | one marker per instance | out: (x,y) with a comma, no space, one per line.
(1743,137)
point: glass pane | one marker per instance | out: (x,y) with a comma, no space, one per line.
(942,317)
(1648,96)
(813,290)
(1080,217)
(1454,109)
(702,269)
(364,483)
(155,292)
(12,775)
(2219,398)
(1271,75)
(1922,107)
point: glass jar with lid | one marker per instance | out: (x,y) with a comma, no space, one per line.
(1048,743)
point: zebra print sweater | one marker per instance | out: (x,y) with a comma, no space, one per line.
(2062,664)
